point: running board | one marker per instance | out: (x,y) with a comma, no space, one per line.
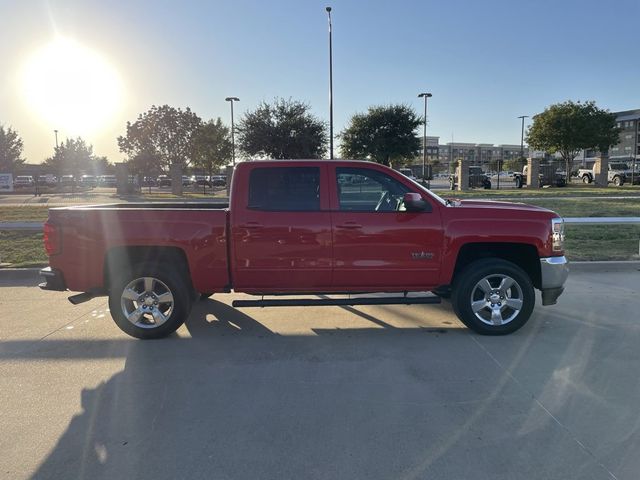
(326,302)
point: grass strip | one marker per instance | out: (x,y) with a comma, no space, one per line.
(22,249)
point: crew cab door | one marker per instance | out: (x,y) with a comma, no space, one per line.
(281,230)
(377,244)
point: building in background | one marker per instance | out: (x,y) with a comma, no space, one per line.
(628,147)
(485,154)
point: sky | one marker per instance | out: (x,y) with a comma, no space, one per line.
(485,62)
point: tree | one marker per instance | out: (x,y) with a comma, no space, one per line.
(163,134)
(384,134)
(145,164)
(282,129)
(569,127)
(73,156)
(513,164)
(10,150)
(212,145)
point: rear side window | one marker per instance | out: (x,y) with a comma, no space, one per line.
(285,189)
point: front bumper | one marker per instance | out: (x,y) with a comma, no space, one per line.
(53,280)
(554,272)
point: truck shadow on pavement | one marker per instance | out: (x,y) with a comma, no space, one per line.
(238,400)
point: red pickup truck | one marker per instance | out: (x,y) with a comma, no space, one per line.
(309,228)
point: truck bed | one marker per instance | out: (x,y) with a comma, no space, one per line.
(117,230)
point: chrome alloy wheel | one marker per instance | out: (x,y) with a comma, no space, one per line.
(147,302)
(496,299)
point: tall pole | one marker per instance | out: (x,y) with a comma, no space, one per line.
(635,152)
(424,95)
(328,9)
(522,137)
(233,142)
(56,133)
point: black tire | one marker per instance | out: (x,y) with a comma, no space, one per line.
(165,280)
(467,287)
(518,182)
(487,185)
(586,179)
(618,181)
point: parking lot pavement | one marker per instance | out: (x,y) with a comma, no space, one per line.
(402,392)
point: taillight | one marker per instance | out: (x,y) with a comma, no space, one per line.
(51,239)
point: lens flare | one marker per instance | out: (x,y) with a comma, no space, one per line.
(71,87)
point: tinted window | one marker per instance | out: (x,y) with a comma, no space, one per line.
(285,188)
(362,189)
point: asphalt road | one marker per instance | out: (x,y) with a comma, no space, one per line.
(398,392)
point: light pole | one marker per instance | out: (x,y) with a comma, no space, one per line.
(424,95)
(522,136)
(56,133)
(328,9)
(233,142)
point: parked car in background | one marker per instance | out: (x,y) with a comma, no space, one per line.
(107,181)
(619,173)
(88,181)
(23,181)
(163,181)
(477,178)
(67,180)
(407,172)
(549,175)
(47,180)
(149,182)
(218,180)
(186,181)
(201,181)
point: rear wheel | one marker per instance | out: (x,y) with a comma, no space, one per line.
(493,297)
(518,182)
(149,301)
(586,179)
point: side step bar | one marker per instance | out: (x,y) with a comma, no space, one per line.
(313,302)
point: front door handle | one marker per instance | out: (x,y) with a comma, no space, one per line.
(349,225)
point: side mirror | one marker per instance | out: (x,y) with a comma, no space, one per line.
(413,202)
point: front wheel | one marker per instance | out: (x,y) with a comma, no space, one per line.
(518,182)
(617,181)
(149,301)
(493,297)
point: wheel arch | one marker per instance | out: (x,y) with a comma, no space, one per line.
(521,254)
(119,259)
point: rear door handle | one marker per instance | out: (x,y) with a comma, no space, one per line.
(349,225)
(252,225)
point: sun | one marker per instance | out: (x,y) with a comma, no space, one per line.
(71,87)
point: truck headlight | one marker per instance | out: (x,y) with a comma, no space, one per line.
(557,234)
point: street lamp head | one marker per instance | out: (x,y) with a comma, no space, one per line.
(232,99)
(328,9)
(425,94)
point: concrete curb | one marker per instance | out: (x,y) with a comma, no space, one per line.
(605,266)
(18,274)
